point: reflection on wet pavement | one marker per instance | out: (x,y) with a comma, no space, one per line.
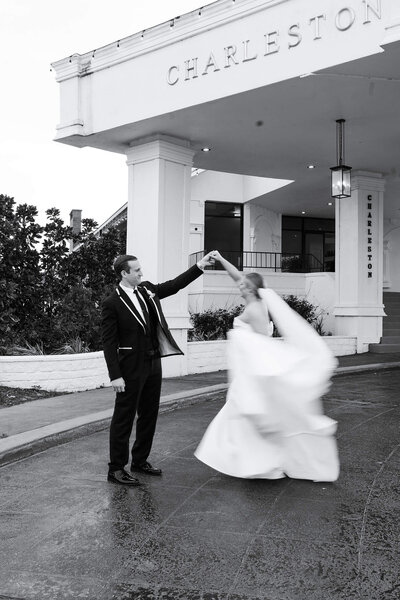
(195,534)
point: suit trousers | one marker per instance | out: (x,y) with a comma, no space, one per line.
(141,397)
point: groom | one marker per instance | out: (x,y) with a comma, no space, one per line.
(135,336)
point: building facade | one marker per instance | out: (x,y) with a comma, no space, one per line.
(247,92)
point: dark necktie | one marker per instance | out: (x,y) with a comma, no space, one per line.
(144,308)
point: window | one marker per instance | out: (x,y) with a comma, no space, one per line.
(313,239)
(223,230)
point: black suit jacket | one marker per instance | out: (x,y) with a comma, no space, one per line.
(123,333)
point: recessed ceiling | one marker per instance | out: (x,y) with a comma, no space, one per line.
(278,130)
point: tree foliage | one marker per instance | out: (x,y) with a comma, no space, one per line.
(19,268)
(50,297)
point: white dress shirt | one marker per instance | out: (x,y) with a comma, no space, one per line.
(133,298)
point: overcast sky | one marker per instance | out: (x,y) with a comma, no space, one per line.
(34,33)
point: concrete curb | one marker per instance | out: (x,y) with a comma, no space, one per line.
(31,442)
(25,444)
(369,367)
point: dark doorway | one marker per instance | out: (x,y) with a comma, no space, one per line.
(223,230)
(312,238)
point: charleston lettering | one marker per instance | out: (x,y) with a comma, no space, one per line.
(369,236)
(274,41)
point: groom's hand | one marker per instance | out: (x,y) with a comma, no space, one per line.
(206,261)
(118,385)
(216,255)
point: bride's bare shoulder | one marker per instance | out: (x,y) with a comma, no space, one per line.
(256,308)
(256,315)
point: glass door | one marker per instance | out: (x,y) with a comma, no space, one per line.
(314,249)
(223,230)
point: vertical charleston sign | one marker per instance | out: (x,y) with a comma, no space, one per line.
(370,238)
(249,50)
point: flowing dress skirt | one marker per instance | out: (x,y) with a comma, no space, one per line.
(272,424)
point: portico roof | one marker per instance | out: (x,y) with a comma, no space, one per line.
(260,83)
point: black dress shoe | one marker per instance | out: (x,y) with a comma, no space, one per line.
(145,468)
(122,477)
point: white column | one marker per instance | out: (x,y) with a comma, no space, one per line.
(386,264)
(158,225)
(359,261)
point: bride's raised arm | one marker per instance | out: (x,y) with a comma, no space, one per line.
(229,267)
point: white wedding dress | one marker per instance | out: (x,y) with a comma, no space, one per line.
(272,424)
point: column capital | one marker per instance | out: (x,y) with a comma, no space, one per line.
(367,180)
(160,147)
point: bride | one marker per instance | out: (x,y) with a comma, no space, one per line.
(272,424)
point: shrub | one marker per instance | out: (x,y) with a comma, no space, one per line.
(304,308)
(292,264)
(311,313)
(24,349)
(73,346)
(213,323)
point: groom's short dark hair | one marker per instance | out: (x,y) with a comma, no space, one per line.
(121,264)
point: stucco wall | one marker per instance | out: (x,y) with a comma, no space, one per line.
(391,245)
(217,290)
(79,372)
(265,229)
(61,373)
(205,357)
(320,291)
(261,227)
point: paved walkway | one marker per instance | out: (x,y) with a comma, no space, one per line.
(36,425)
(194,534)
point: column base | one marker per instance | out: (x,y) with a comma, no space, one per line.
(367,330)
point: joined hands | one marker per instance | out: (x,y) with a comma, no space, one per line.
(207,260)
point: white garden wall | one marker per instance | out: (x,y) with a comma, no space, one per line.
(205,357)
(58,373)
(79,372)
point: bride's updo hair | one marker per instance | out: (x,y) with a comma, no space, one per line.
(256,282)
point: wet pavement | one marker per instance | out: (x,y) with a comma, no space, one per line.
(195,534)
(28,428)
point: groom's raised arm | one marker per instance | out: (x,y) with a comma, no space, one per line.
(171,287)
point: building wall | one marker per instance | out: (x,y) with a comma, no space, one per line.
(261,227)
(391,260)
(212,186)
(205,357)
(217,290)
(320,291)
(265,234)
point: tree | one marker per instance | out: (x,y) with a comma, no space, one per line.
(90,279)
(19,269)
(50,296)
(27,269)
(54,285)
(91,263)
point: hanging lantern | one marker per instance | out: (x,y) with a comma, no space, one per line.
(341,174)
